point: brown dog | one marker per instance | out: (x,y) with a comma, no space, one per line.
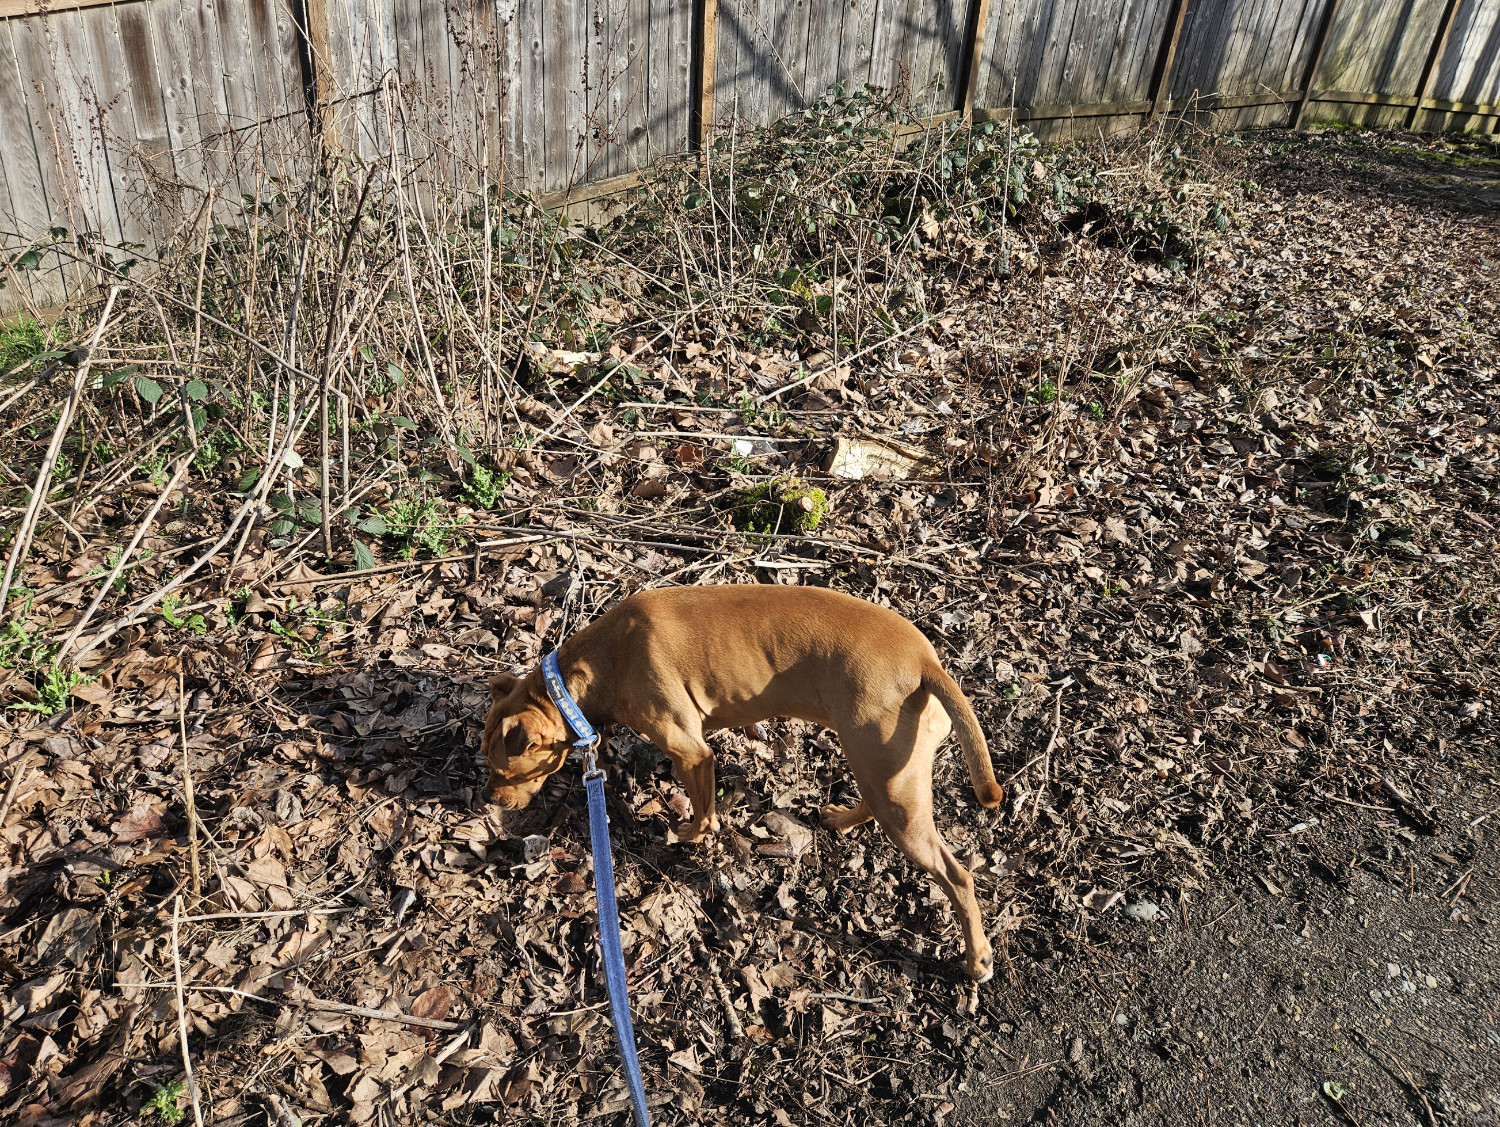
(681,661)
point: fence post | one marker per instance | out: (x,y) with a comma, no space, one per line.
(1319,46)
(1161,77)
(975,33)
(705,46)
(311,26)
(1433,55)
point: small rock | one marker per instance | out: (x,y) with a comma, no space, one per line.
(1392,970)
(1122,1019)
(1143,911)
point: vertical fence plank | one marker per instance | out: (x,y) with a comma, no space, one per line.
(1319,46)
(705,57)
(316,48)
(1161,77)
(1434,53)
(978,28)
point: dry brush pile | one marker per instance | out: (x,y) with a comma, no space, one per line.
(1181,450)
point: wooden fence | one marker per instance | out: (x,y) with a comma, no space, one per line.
(117,118)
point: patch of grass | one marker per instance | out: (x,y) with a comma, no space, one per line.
(20,342)
(785,506)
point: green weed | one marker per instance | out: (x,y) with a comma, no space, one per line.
(419,525)
(192,622)
(53,692)
(484,487)
(163,1102)
(1046,393)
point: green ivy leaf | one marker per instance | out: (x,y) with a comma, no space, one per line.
(281,527)
(364,559)
(200,419)
(148,389)
(398,377)
(120,374)
(373,524)
(310,511)
(195,389)
(403,421)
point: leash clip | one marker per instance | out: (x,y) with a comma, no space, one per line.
(591,768)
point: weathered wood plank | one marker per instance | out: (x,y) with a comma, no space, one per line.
(703,67)
(37,86)
(1439,42)
(978,31)
(116,122)
(1314,60)
(77,105)
(28,211)
(1161,78)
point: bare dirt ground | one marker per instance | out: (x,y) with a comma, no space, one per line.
(1206,531)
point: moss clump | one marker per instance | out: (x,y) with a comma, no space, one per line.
(780,506)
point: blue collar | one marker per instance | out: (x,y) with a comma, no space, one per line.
(558,691)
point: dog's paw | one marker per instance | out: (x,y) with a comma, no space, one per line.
(842,819)
(982,966)
(689,832)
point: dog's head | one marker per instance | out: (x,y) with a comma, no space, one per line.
(525,740)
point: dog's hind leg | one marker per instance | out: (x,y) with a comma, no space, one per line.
(895,782)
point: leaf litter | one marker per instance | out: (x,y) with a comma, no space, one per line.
(1202,520)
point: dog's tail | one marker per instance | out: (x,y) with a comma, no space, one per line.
(936,681)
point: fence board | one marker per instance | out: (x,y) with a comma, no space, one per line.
(117,117)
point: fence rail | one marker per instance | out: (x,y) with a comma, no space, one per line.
(118,118)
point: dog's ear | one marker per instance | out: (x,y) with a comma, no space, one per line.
(501,684)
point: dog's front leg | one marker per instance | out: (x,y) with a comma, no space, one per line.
(693,765)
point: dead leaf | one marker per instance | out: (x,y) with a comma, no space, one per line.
(142,821)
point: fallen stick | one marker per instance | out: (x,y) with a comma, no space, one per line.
(135,542)
(1423,817)
(321,1006)
(843,361)
(187,796)
(721,991)
(187,1058)
(27,527)
(10,792)
(386,569)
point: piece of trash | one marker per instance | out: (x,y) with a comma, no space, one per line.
(1102,899)
(856,458)
(536,847)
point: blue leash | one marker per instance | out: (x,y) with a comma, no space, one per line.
(604,883)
